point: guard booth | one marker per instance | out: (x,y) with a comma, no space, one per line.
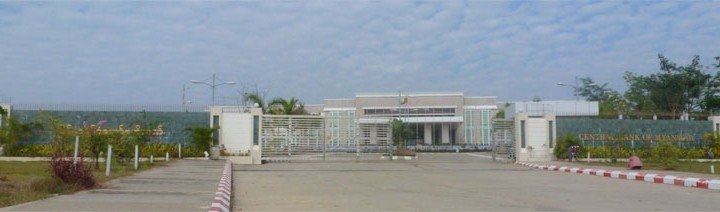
(535,135)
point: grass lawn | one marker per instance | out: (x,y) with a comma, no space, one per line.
(28,181)
(682,166)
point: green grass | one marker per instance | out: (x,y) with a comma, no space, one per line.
(682,166)
(28,181)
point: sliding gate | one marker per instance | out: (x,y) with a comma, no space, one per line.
(287,138)
(503,139)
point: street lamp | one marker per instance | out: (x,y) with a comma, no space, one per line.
(575,91)
(212,83)
(575,88)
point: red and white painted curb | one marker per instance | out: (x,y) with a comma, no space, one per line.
(223,196)
(647,177)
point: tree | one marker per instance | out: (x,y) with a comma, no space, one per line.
(282,106)
(613,102)
(400,133)
(94,141)
(591,91)
(675,88)
(637,95)
(13,132)
(61,134)
(610,101)
(711,93)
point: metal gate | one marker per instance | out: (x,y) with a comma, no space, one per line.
(287,138)
(503,139)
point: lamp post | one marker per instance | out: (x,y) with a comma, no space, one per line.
(212,83)
(575,88)
(186,86)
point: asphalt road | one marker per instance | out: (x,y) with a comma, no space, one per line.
(455,182)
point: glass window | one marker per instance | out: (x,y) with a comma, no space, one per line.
(256,130)
(552,137)
(215,136)
(522,133)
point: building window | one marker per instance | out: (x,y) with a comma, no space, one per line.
(522,133)
(469,137)
(256,130)
(216,124)
(552,137)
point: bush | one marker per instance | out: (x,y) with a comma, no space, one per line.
(62,168)
(666,154)
(201,137)
(565,141)
(36,151)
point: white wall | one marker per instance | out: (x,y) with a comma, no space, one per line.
(559,108)
(716,122)
(236,131)
(536,132)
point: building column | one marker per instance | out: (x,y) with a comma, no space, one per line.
(428,134)
(445,133)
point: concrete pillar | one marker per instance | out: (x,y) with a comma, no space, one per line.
(445,133)
(715,123)
(428,134)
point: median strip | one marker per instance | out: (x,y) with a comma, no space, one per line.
(223,196)
(647,177)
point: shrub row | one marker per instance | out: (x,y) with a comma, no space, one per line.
(157,150)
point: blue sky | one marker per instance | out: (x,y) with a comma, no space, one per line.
(143,52)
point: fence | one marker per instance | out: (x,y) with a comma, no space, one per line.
(110,107)
(174,119)
(635,133)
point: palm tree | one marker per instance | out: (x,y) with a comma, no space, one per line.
(259,100)
(293,106)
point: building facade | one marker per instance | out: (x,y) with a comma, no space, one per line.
(448,118)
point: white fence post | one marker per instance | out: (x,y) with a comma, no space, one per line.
(109,158)
(136,157)
(180,151)
(588,160)
(152,159)
(167,156)
(77,144)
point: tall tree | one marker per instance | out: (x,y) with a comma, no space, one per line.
(610,101)
(638,95)
(674,89)
(711,93)
(591,90)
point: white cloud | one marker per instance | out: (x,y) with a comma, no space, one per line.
(142,52)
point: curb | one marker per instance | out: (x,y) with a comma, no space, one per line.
(399,157)
(646,177)
(223,196)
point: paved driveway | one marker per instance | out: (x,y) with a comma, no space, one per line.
(440,182)
(186,185)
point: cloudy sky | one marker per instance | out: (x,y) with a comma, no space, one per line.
(143,52)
